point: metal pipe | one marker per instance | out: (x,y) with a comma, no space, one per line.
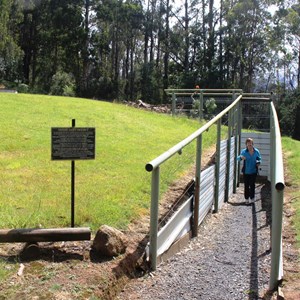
(211,90)
(178,147)
(235,125)
(201,107)
(197,186)
(277,187)
(229,131)
(217,170)
(240,121)
(173,104)
(73,186)
(154,218)
(199,91)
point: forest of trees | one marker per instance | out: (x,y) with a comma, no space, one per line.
(134,49)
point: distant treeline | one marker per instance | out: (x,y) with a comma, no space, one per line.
(134,49)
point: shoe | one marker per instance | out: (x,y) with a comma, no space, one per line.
(252,200)
(247,201)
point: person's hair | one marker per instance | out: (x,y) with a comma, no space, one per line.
(249,140)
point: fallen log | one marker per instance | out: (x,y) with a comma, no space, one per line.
(44,235)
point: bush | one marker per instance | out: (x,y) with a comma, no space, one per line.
(23,88)
(62,84)
(289,113)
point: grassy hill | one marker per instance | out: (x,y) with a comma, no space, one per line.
(113,189)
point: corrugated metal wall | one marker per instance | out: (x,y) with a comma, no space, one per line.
(180,223)
(222,177)
(207,186)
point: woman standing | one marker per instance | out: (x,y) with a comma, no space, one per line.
(252,159)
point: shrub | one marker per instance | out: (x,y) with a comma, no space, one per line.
(62,84)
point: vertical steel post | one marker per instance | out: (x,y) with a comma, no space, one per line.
(235,163)
(240,126)
(197,186)
(73,186)
(228,155)
(217,166)
(154,217)
(201,106)
(173,104)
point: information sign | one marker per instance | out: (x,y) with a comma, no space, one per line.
(72,143)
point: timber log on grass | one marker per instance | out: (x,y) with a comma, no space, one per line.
(44,235)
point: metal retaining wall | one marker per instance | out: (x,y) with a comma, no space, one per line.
(180,223)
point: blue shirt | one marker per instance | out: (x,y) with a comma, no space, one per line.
(251,160)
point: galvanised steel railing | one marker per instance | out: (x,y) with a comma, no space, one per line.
(154,167)
(234,111)
(199,95)
(277,187)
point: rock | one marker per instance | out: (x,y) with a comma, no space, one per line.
(109,241)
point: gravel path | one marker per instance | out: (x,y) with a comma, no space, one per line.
(230,258)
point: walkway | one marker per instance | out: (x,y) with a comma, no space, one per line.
(230,259)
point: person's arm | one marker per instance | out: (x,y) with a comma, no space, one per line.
(241,156)
(258,157)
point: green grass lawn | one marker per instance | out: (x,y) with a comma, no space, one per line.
(291,149)
(113,189)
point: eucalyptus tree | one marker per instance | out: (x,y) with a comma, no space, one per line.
(52,37)
(293,35)
(183,40)
(10,52)
(245,40)
(116,43)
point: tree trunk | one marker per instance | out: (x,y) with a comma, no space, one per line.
(211,45)
(85,58)
(186,37)
(221,76)
(167,49)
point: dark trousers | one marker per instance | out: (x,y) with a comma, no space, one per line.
(249,184)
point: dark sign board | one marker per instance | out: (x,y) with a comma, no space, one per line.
(72,143)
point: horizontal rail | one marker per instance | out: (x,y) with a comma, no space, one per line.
(209,90)
(199,92)
(257,94)
(44,235)
(177,148)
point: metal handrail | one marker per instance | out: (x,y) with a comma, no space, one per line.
(277,181)
(277,187)
(178,147)
(154,167)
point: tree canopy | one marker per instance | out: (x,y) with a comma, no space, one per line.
(134,49)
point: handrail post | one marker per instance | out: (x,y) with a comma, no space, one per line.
(217,166)
(201,106)
(154,217)
(240,120)
(197,186)
(235,125)
(228,155)
(173,104)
